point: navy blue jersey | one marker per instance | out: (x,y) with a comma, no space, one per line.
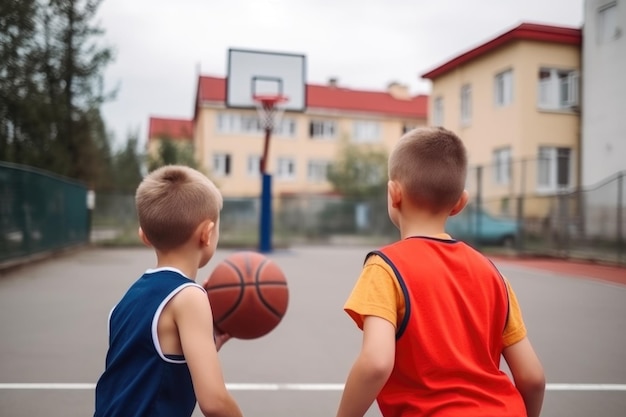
(139,379)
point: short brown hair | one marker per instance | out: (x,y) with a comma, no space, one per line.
(172,201)
(431,165)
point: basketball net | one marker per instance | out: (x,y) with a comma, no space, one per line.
(270,110)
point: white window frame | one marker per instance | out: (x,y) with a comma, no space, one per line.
(466,104)
(286,128)
(322,129)
(438,110)
(557,89)
(285,168)
(238,123)
(503,88)
(502,158)
(607,23)
(548,166)
(227,122)
(249,124)
(222,164)
(317,170)
(366,131)
(253,166)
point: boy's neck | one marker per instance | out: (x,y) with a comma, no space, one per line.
(422,224)
(188,265)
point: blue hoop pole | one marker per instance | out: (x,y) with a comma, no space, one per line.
(265,224)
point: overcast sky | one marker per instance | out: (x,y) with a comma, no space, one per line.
(160,44)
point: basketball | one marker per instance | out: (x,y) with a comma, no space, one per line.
(248,294)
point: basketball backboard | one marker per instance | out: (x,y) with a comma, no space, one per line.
(260,73)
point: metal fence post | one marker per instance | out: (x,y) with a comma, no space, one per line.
(520,209)
(620,224)
(478,211)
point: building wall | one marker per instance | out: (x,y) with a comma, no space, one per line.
(521,125)
(604,94)
(209,140)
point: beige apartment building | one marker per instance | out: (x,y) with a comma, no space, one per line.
(514,100)
(229,142)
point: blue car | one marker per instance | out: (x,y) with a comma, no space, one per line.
(479,227)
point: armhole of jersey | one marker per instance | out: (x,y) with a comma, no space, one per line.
(405,293)
(109,321)
(506,291)
(155,321)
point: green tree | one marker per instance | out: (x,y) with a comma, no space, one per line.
(19,94)
(127,166)
(73,66)
(360,171)
(171,152)
(51,67)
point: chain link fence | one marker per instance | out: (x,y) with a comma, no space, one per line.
(551,215)
(525,207)
(39,212)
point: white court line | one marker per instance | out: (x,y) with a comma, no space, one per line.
(289,387)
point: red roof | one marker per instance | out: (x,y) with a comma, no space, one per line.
(179,129)
(525,31)
(334,98)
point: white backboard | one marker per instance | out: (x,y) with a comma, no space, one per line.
(253,73)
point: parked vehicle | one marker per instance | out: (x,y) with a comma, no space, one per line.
(479,227)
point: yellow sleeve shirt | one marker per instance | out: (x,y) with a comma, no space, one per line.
(378,293)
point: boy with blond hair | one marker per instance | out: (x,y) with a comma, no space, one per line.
(162,355)
(436,315)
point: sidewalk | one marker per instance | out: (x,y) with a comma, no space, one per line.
(614,274)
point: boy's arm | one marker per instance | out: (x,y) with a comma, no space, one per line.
(527,374)
(371,368)
(193,317)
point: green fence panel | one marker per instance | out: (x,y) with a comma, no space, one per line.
(39,212)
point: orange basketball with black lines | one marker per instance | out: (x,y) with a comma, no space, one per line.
(248,294)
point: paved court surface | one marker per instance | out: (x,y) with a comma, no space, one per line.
(53,331)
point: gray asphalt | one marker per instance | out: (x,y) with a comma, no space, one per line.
(53,330)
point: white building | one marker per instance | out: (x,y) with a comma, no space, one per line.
(604,90)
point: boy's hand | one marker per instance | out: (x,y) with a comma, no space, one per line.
(220,338)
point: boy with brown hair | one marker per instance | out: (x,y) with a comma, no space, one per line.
(436,315)
(162,354)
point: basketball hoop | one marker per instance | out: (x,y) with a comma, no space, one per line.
(270,110)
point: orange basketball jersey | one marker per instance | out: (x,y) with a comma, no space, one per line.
(449,342)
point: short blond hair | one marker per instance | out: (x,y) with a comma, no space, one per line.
(172,201)
(431,165)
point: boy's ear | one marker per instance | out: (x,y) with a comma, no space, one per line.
(460,204)
(144,238)
(395,193)
(206,230)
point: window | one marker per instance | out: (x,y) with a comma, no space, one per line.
(438,112)
(607,23)
(554,168)
(286,127)
(253,167)
(286,168)
(503,88)
(322,129)
(227,123)
(558,89)
(466,104)
(502,166)
(366,131)
(317,170)
(249,124)
(236,123)
(221,164)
